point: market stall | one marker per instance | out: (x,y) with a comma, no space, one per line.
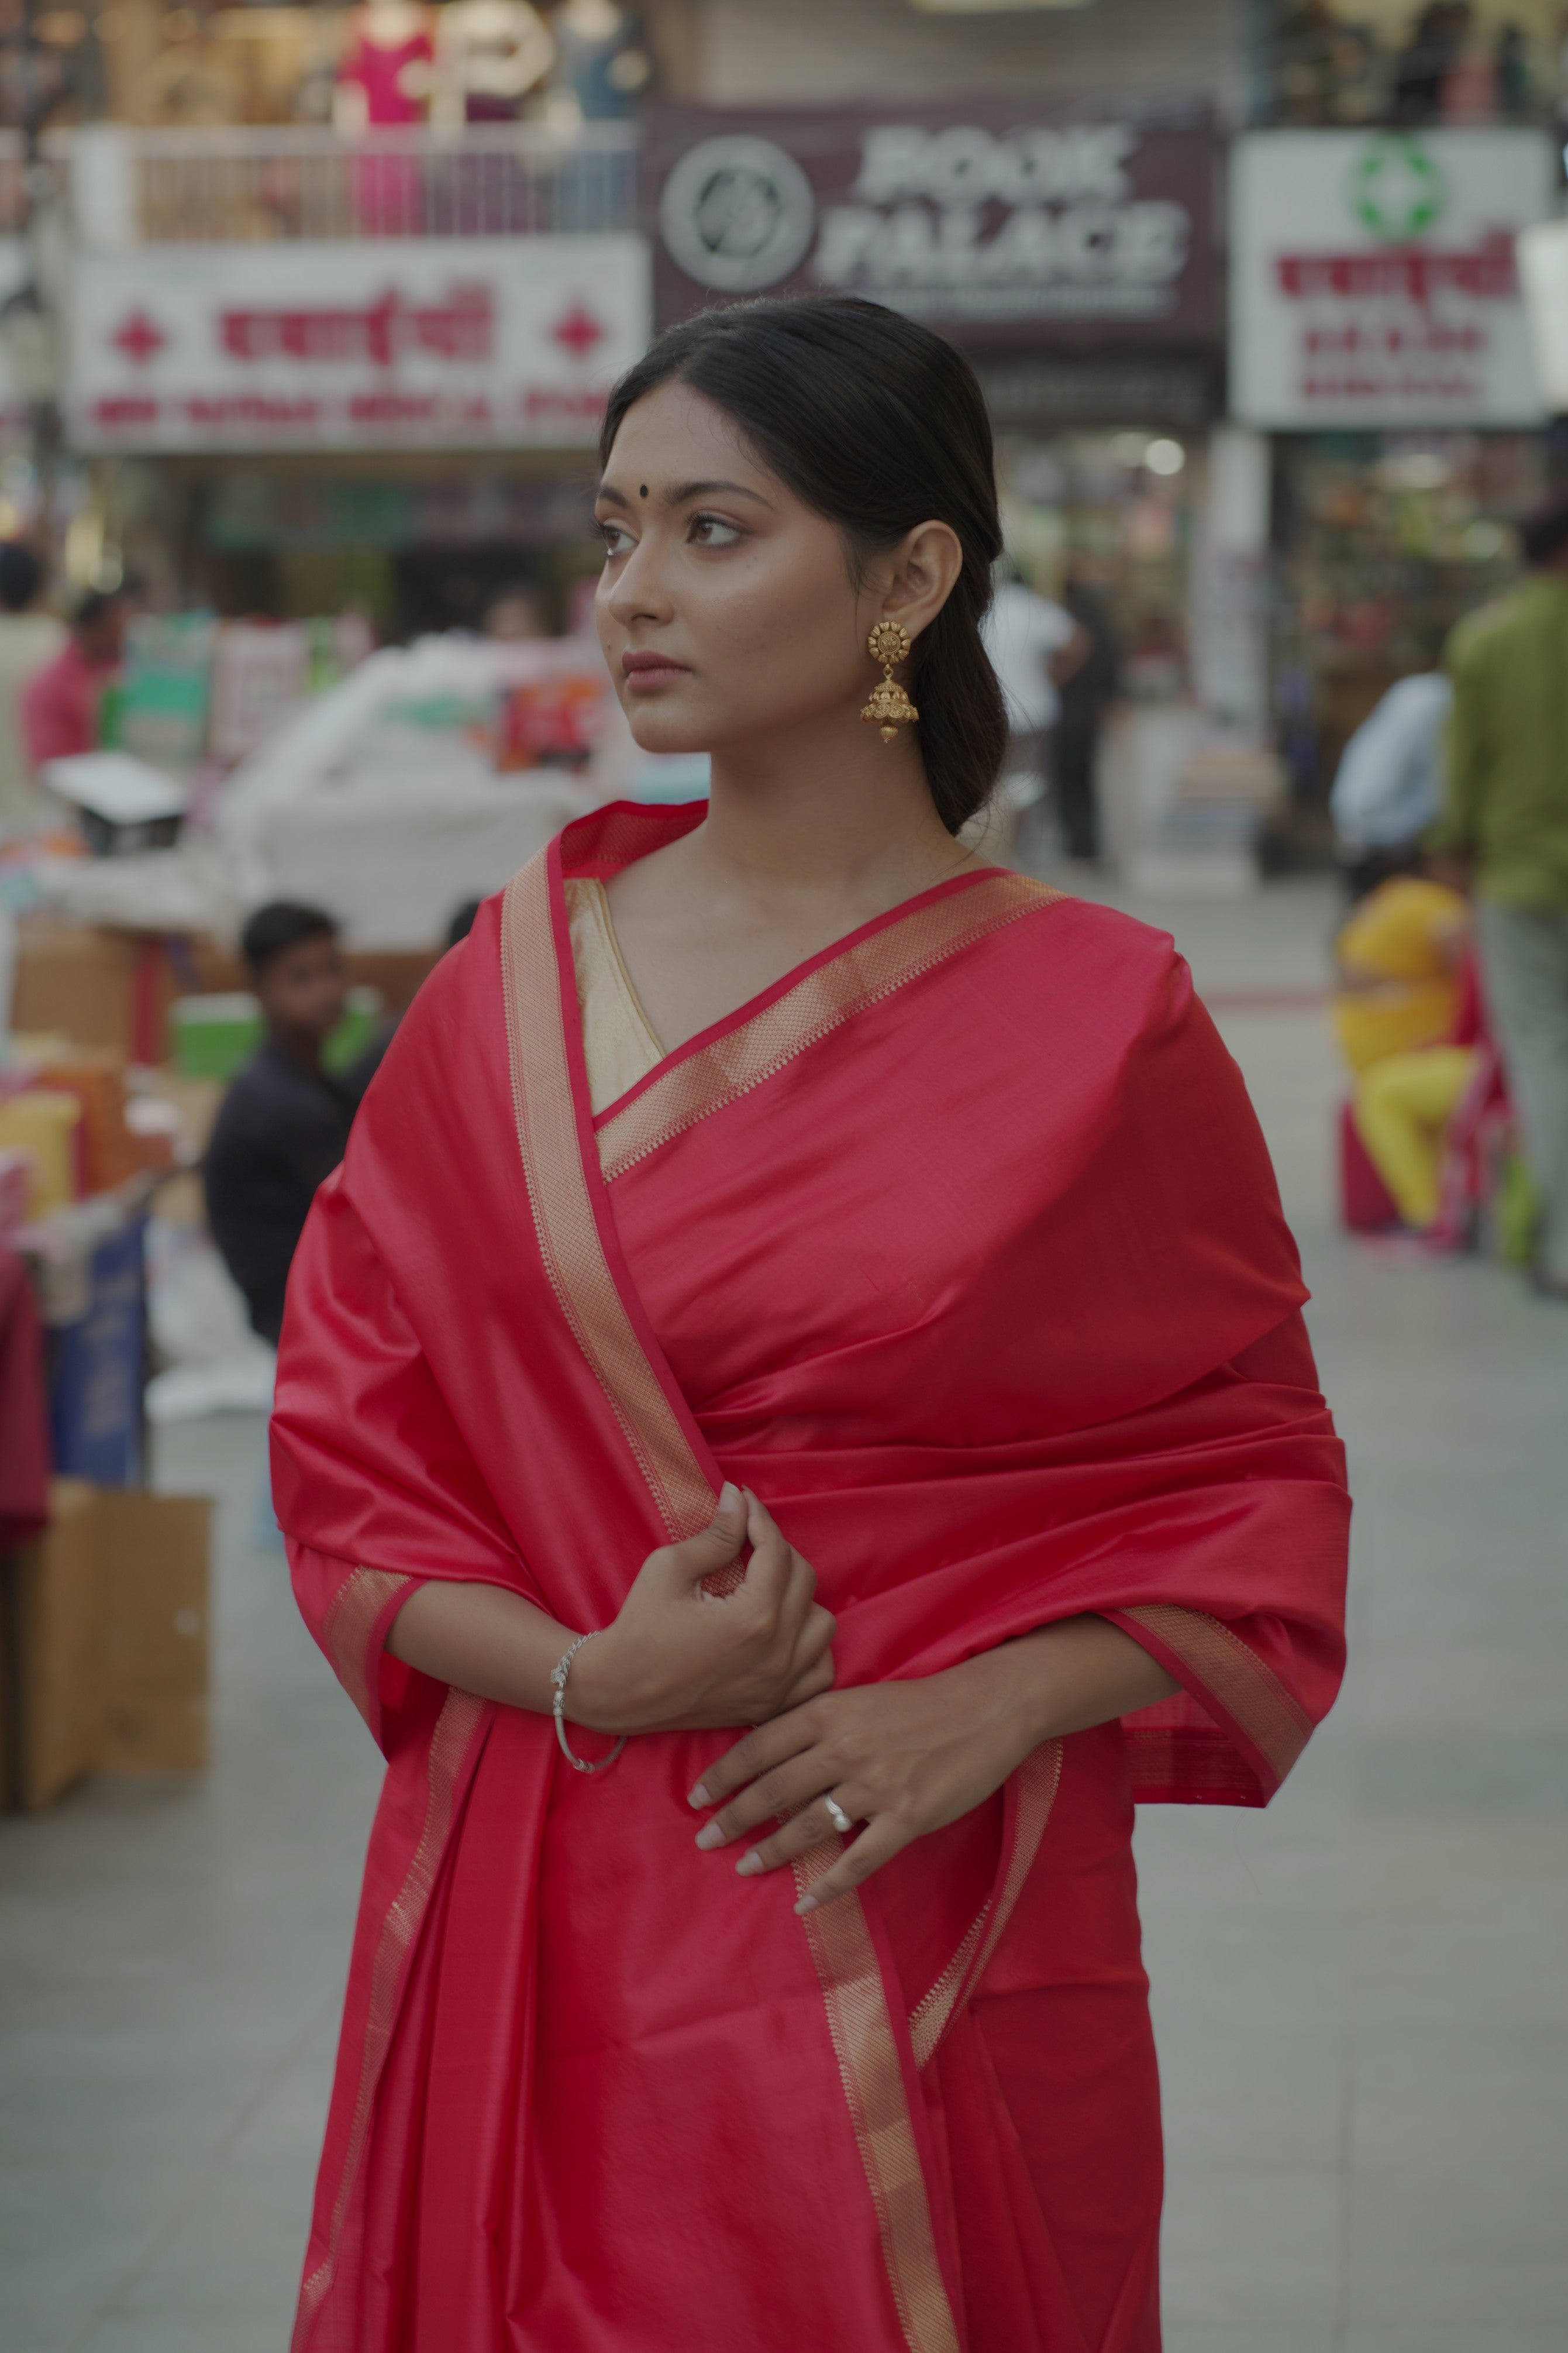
(423,781)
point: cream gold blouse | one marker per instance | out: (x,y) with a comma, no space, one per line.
(619,1038)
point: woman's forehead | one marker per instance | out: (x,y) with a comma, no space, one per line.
(676,434)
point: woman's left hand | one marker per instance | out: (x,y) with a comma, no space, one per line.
(902,1759)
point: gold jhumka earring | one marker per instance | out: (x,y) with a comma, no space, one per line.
(889,707)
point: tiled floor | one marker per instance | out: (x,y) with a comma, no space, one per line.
(1361,1994)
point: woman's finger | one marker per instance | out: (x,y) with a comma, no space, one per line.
(878,1843)
(678,1568)
(816,1635)
(767,1746)
(768,1570)
(798,1599)
(809,1827)
(769,1798)
(817,1678)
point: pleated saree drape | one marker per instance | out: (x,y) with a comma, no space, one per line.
(960,1246)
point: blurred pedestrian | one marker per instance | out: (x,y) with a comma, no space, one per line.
(515,614)
(1397,1011)
(29,639)
(60,702)
(1505,822)
(1389,787)
(284,1123)
(1033,643)
(1084,688)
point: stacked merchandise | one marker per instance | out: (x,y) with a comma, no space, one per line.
(103,1586)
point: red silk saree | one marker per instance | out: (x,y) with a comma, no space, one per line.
(960,1247)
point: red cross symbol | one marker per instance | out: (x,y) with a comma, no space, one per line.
(578,332)
(140,337)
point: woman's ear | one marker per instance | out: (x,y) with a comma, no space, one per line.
(924,568)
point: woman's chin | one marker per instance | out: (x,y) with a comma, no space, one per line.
(666,731)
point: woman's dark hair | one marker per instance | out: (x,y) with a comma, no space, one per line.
(879,425)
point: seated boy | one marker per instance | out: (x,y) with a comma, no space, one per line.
(285,1122)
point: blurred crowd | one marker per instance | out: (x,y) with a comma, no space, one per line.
(1451,806)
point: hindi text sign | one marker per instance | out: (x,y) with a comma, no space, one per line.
(1374,279)
(384,344)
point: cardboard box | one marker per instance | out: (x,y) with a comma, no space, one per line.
(74,980)
(97,987)
(104,1642)
(153,1557)
(50,1686)
(96,1077)
(48,1129)
(395,972)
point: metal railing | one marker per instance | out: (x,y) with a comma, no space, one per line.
(249,184)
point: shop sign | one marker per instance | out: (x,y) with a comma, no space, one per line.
(983,219)
(1374,279)
(433,341)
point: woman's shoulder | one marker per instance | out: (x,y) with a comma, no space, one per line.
(1082,931)
(1075,969)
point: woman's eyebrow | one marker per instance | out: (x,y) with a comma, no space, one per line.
(684,490)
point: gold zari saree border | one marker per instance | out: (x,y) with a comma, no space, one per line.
(563,1220)
(357,1604)
(873,2079)
(1256,1700)
(456,1725)
(743,1057)
(1039,1777)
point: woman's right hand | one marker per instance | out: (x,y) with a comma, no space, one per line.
(679,1658)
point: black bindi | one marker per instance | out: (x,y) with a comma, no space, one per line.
(644,491)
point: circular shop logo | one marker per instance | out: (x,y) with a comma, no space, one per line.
(1396,189)
(737,213)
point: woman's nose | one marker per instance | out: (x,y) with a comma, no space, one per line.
(639,592)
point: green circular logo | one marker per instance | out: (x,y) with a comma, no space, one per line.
(1396,189)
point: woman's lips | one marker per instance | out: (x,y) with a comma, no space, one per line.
(645,671)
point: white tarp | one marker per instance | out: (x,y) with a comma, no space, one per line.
(361,805)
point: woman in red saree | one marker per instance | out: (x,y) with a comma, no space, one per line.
(771,1185)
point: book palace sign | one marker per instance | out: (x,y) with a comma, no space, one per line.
(983,219)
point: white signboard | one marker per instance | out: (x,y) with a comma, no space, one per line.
(383,344)
(1374,279)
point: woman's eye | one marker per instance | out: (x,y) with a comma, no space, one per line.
(713,531)
(617,540)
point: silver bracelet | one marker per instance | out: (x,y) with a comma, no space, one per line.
(558,1674)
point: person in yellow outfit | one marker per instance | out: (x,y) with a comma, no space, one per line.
(1397,1011)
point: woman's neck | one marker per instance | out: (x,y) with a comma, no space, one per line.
(805,840)
(802,822)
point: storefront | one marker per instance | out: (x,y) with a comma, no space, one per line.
(1379,334)
(405,425)
(1072,255)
